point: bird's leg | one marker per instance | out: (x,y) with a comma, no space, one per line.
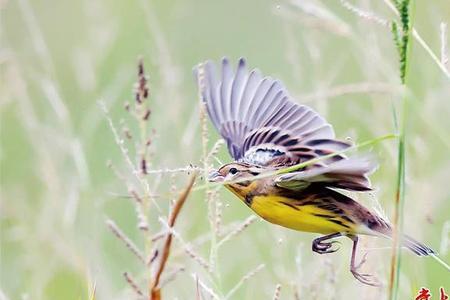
(320,245)
(364,278)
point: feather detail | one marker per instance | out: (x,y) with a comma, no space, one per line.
(263,126)
(249,110)
(349,174)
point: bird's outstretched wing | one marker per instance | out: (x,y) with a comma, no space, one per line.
(263,126)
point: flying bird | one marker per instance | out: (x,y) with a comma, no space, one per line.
(266,131)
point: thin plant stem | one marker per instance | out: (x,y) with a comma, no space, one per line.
(212,201)
(154,288)
(402,38)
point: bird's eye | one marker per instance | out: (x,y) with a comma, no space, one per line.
(233,171)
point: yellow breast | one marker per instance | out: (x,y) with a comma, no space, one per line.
(279,210)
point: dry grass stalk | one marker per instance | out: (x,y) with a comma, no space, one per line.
(142,114)
(132,284)
(171,276)
(158,236)
(203,119)
(203,286)
(118,139)
(135,195)
(364,14)
(154,288)
(241,227)
(212,199)
(218,213)
(215,149)
(201,240)
(153,255)
(127,241)
(125,153)
(245,278)
(142,219)
(188,248)
(186,169)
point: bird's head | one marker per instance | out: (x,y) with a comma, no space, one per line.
(234,172)
(234,176)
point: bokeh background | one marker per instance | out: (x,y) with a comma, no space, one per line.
(58,59)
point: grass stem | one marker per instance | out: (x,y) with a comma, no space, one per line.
(402,34)
(155,290)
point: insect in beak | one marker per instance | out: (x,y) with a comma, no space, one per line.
(215,176)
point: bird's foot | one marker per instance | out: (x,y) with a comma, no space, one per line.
(364,278)
(322,247)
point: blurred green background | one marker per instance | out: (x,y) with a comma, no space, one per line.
(59,58)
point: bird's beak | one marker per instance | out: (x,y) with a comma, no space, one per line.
(215,176)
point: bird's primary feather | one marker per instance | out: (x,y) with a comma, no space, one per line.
(263,126)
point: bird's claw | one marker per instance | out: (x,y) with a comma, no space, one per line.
(365,278)
(322,247)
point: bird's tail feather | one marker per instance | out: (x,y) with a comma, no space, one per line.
(417,247)
(382,227)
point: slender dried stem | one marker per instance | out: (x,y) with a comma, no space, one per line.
(122,236)
(206,288)
(155,291)
(132,284)
(241,227)
(246,277)
(188,248)
(364,14)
